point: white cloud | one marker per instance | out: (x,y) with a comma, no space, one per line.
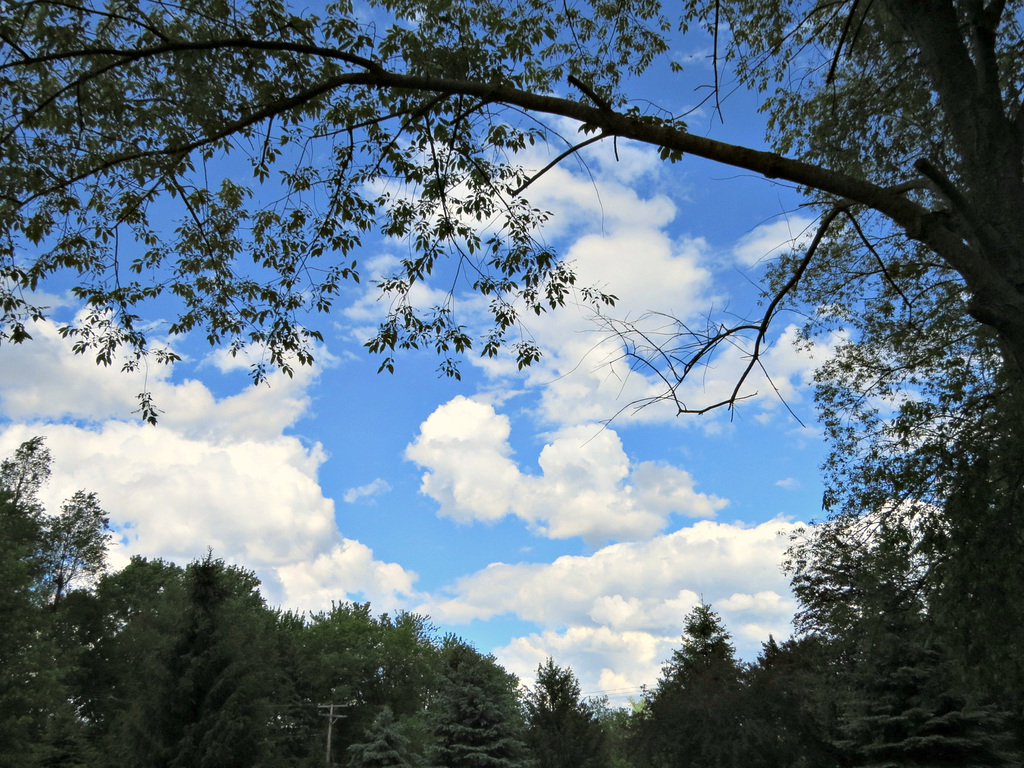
(637,658)
(620,243)
(374,488)
(587,487)
(347,571)
(615,615)
(209,475)
(771,240)
(44,380)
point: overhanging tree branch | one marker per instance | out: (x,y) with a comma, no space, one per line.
(323,81)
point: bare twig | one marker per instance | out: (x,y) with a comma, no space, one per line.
(556,161)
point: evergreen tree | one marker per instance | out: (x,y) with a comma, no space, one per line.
(706,649)
(208,700)
(875,589)
(475,716)
(905,710)
(563,730)
(692,716)
(383,745)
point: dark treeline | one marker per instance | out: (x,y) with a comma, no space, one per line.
(163,666)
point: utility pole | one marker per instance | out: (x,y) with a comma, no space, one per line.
(327,710)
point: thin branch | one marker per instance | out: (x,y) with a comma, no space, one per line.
(842,39)
(177,46)
(674,370)
(556,161)
(878,259)
(714,64)
(182,150)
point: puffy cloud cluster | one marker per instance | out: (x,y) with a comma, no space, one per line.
(615,615)
(628,244)
(224,472)
(588,487)
(217,472)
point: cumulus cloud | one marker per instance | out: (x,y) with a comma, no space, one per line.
(637,657)
(587,486)
(625,242)
(346,571)
(771,240)
(619,241)
(615,615)
(210,475)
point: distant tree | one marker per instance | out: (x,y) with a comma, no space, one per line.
(617,724)
(475,715)
(26,472)
(383,745)
(28,685)
(71,547)
(786,707)
(706,649)
(348,655)
(692,716)
(207,687)
(38,722)
(75,544)
(562,728)
(136,614)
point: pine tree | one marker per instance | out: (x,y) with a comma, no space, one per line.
(707,648)
(906,711)
(691,717)
(384,745)
(563,731)
(475,717)
(207,702)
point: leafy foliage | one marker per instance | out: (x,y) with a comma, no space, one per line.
(277,143)
(75,544)
(38,722)
(93,175)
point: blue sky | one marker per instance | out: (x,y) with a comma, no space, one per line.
(505,506)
